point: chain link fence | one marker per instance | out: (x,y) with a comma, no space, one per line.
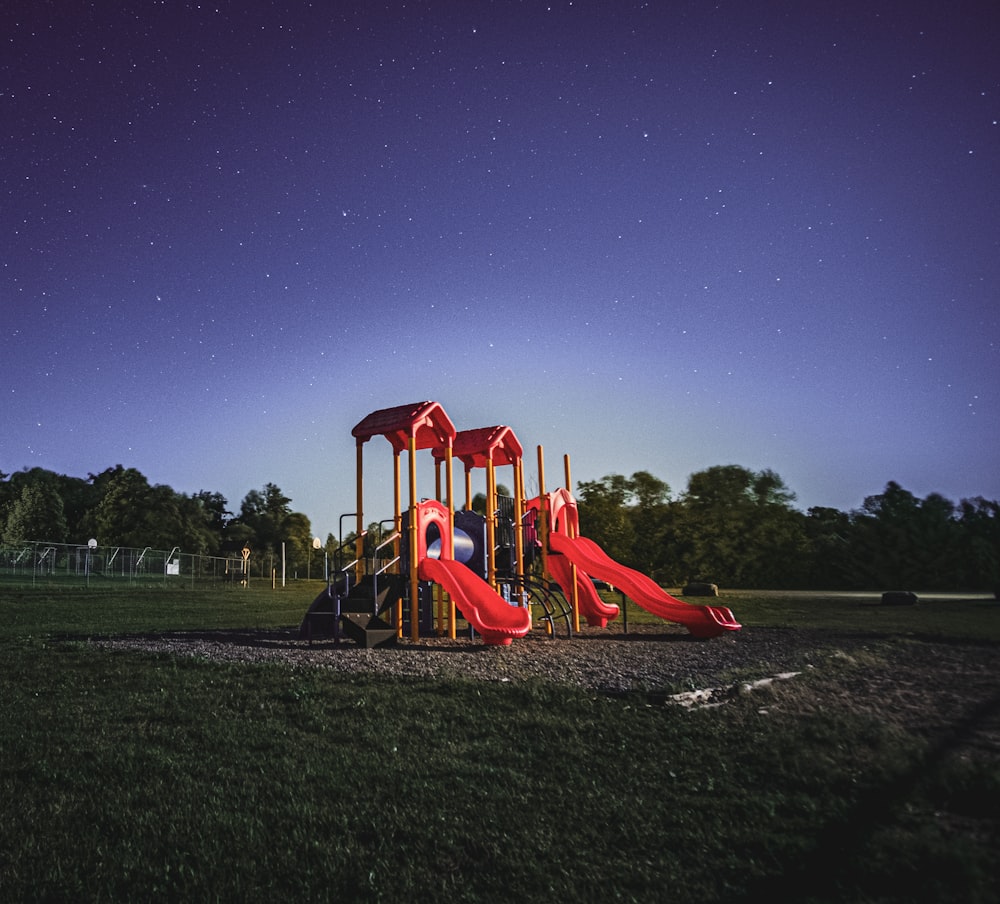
(38,562)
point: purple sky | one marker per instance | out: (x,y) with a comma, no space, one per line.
(657,236)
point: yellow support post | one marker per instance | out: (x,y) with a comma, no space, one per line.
(438,589)
(450,481)
(397,527)
(518,532)
(397,505)
(491,524)
(414,579)
(541,525)
(569,532)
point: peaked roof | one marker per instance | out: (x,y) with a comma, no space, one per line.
(476,448)
(425,421)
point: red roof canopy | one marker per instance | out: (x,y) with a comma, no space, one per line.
(425,421)
(476,448)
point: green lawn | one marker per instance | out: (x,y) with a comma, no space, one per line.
(128,776)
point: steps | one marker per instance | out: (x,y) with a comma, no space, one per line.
(367,630)
(360,613)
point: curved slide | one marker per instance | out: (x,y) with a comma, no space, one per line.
(701,621)
(482,607)
(597,612)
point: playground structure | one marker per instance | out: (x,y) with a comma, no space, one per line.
(437,563)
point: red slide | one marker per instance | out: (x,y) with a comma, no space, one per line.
(701,621)
(482,607)
(597,612)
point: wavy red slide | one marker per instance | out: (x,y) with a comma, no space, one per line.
(597,612)
(482,607)
(701,621)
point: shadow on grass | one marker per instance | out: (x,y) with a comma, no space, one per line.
(855,855)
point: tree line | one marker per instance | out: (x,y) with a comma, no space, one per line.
(119,507)
(731,526)
(738,528)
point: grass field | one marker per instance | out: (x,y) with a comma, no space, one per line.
(131,776)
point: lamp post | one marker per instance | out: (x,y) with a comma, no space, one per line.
(91,549)
(317,544)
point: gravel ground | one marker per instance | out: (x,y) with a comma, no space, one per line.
(600,659)
(925,687)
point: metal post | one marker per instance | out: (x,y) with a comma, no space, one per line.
(449,464)
(359,542)
(575,599)
(541,524)
(491,523)
(414,579)
(519,531)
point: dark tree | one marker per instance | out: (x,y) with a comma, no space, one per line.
(37,514)
(604,516)
(978,558)
(737,527)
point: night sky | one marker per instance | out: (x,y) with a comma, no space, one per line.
(658,236)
